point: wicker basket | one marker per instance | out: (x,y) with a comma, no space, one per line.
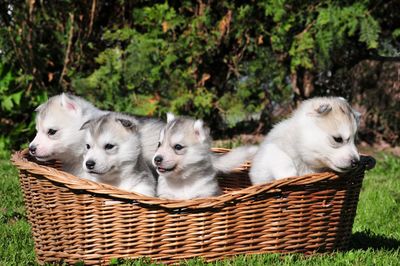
(75,219)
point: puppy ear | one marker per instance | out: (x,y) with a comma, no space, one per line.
(170,117)
(69,103)
(162,134)
(39,108)
(86,124)
(323,109)
(126,123)
(200,131)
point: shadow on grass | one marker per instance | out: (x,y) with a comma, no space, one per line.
(369,240)
(8,215)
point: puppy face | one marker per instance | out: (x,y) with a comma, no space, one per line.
(111,143)
(183,144)
(57,125)
(328,137)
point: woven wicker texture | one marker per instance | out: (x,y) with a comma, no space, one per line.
(74,219)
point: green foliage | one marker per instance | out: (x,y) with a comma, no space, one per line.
(396,33)
(15,106)
(8,100)
(224,61)
(311,33)
(169,55)
(154,65)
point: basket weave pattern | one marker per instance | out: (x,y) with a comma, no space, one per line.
(75,219)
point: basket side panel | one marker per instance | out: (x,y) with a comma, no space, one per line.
(303,219)
(73,225)
(28,194)
(53,225)
(345,203)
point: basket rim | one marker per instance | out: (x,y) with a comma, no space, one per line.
(19,160)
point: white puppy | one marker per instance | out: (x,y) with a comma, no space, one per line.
(114,154)
(186,166)
(58,136)
(320,135)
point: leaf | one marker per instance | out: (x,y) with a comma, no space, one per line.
(301,51)
(369,32)
(16,97)
(396,33)
(6,103)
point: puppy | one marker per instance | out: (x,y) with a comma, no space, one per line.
(149,130)
(58,136)
(186,166)
(319,136)
(114,154)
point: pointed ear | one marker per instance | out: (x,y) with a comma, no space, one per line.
(39,108)
(69,104)
(126,123)
(162,134)
(200,131)
(323,109)
(86,124)
(170,117)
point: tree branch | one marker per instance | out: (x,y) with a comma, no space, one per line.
(92,17)
(68,51)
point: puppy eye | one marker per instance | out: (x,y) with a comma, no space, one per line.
(87,146)
(178,147)
(51,132)
(109,146)
(338,139)
(159,144)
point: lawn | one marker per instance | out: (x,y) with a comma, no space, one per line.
(375,240)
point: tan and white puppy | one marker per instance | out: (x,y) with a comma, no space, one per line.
(58,136)
(186,166)
(114,154)
(320,135)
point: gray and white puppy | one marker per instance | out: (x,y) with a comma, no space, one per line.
(186,166)
(114,154)
(319,135)
(149,130)
(58,136)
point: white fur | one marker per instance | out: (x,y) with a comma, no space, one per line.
(304,143)
(122,166)
(170,117)
(234,158)
(66,114)
(191,172)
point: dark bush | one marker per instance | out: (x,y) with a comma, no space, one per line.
(237,64)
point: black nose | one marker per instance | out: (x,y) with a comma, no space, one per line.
(355,162)
(158,159)
(32,149)
(90,164)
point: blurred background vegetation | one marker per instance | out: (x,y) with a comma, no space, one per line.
(240,65)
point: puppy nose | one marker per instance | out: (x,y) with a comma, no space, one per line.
(158,159)
(355,162)
(32,149)
(90,164)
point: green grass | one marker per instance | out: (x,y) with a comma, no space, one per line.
(375,240)
(16,243)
